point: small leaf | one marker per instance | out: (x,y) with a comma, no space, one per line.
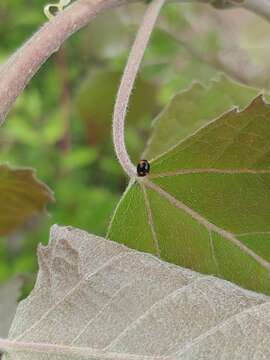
(21,197)
(95,299)
(206,203)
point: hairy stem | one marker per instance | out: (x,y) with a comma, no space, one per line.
(25,62)
(127,83)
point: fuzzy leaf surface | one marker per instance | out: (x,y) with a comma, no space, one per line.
(9,293)
(95,299)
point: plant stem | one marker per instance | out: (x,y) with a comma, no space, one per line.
(25,62)
(127,83)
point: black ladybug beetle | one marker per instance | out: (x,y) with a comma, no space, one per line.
(143,168)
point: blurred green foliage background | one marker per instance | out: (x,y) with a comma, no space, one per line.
(61,124)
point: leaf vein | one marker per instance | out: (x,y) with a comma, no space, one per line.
(151,221)
(210,170)
(72,290)
(207,224)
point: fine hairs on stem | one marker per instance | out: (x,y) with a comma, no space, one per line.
(127,82)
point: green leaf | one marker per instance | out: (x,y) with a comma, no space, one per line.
(192,108)
(21,197)
(206,203)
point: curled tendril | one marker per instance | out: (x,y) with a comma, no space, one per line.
(57,6)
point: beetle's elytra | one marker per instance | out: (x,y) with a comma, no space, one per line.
(143,168)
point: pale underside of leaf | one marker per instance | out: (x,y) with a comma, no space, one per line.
(9,293)
(95,299)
